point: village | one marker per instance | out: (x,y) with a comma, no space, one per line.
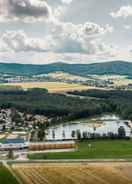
(21,133)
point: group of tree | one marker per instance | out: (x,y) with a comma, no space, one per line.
(59,107)
(121,134)
(62,108)
(118,101)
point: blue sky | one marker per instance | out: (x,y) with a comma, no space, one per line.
(73,31)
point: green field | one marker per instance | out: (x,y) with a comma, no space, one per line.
(6,177)
(100,149)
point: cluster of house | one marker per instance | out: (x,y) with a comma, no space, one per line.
(7,120)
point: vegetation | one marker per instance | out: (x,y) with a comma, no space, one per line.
(6,177)
(98,149)
(10,87)
(115,67)
(62,108)
(50,86)
(11,155)
(109,135)
(120,101)
(59,107)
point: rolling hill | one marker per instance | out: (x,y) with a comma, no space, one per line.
(113,67)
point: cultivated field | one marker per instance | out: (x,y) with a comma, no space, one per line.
(51,86)
(74,173)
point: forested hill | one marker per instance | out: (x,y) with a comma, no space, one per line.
(113,67)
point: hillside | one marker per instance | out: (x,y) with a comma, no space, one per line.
(113,67)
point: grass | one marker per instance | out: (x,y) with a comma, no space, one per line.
(51,86)
(6,177)
(101,149)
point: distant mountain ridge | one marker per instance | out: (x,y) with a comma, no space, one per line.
(112,67)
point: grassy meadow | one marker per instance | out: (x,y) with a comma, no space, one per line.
(100,149)
(6,177)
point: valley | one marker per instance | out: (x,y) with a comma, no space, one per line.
(60,115)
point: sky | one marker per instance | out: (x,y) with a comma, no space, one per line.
(72,31)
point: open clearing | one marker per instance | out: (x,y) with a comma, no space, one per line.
(74,173)
(51,86)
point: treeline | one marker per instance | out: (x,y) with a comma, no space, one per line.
(120,101)
(121,134)
(60,107)
(63,108)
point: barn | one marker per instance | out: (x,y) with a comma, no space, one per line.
(41,146)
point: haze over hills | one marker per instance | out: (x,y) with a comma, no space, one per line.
(112,67)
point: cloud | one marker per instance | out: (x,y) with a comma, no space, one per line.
(64,40)
(51,57)
(58,12)
(24,10)
(127,27)
(66,1)
(124,11)
(84,38)
(19,41)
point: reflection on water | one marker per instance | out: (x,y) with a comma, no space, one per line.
(101,125)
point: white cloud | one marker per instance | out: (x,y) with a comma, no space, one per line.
(84,38)
(124,11)
(51,57)
(58,12)
(19,41)
(128,27)
(66,1)
(63,38)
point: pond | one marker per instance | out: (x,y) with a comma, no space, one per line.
(100,125)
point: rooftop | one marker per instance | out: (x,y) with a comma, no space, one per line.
(13,141)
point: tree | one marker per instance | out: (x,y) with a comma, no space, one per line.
(53,134)
(17,119)
(63,134)
(85,135)
(41,134)
(10,154)
(3,128)
(38,91)
(121,132)
(78,134)
(73,133)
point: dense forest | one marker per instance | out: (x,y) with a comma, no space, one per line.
(63,107)
(119,100)
(112,67)
(39,101)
